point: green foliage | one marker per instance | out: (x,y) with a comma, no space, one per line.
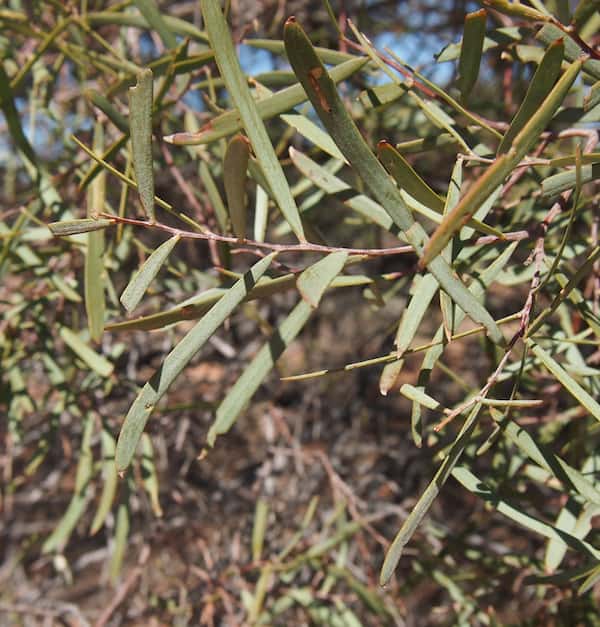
(481,201)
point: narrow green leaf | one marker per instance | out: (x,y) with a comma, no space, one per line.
(261,214)
(94,272)
(235,166)
(315,279)
(60,536)
(13,118)
(75,227)
(214,196)
(557,183)
(331,57)
(119,547)
(239,91)
(429,495)
(307,128)
(549,33)
(137,286)
(140,121)
(471,51)
(181,27)
(566,474)
(156,21)
(177,359)
(504,36)
(330,108)
(96,362)
(556,547)
(112,113)
(259,528)
(542,82)
(593,97)
(407,178)
(149,474)
(389,376)
(516,513)
(585,9)
(109,478)
(313,282)
(580,395)
(418,395)
(229,122)
(501,167)
(423,292)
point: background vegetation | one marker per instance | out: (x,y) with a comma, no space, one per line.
(452,432)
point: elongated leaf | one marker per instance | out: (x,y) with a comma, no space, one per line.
(407,178)
(235,165)
(140,121)
(181,27)
(549,33)
(312,283)
(112,113)
(96,362)
(239,91)
(261,514)
(176,361)
(557,183)
(315,279)
(580,395)
(554,464)
(542,82)
(149,474)
(313,133)
(109,478)
(516,513)
(196,307)
(120,542)
(422,293)
(330,108)
(137,286)
(75,227)
(429,495)
(471,51)
(94,273)
(229,122)
(504,164)
(156,21)
(77,505)
(389,376)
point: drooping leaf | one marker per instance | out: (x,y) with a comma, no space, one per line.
(504,164)
(429,495)
(312,283)
(137,286)
(239,91)
(96,362)
(177,359)
(542,82)
(330,108)
(140,122)
(151,13)
(471,51)
(235,164)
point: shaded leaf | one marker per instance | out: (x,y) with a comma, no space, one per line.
(235,165)
(471,51)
